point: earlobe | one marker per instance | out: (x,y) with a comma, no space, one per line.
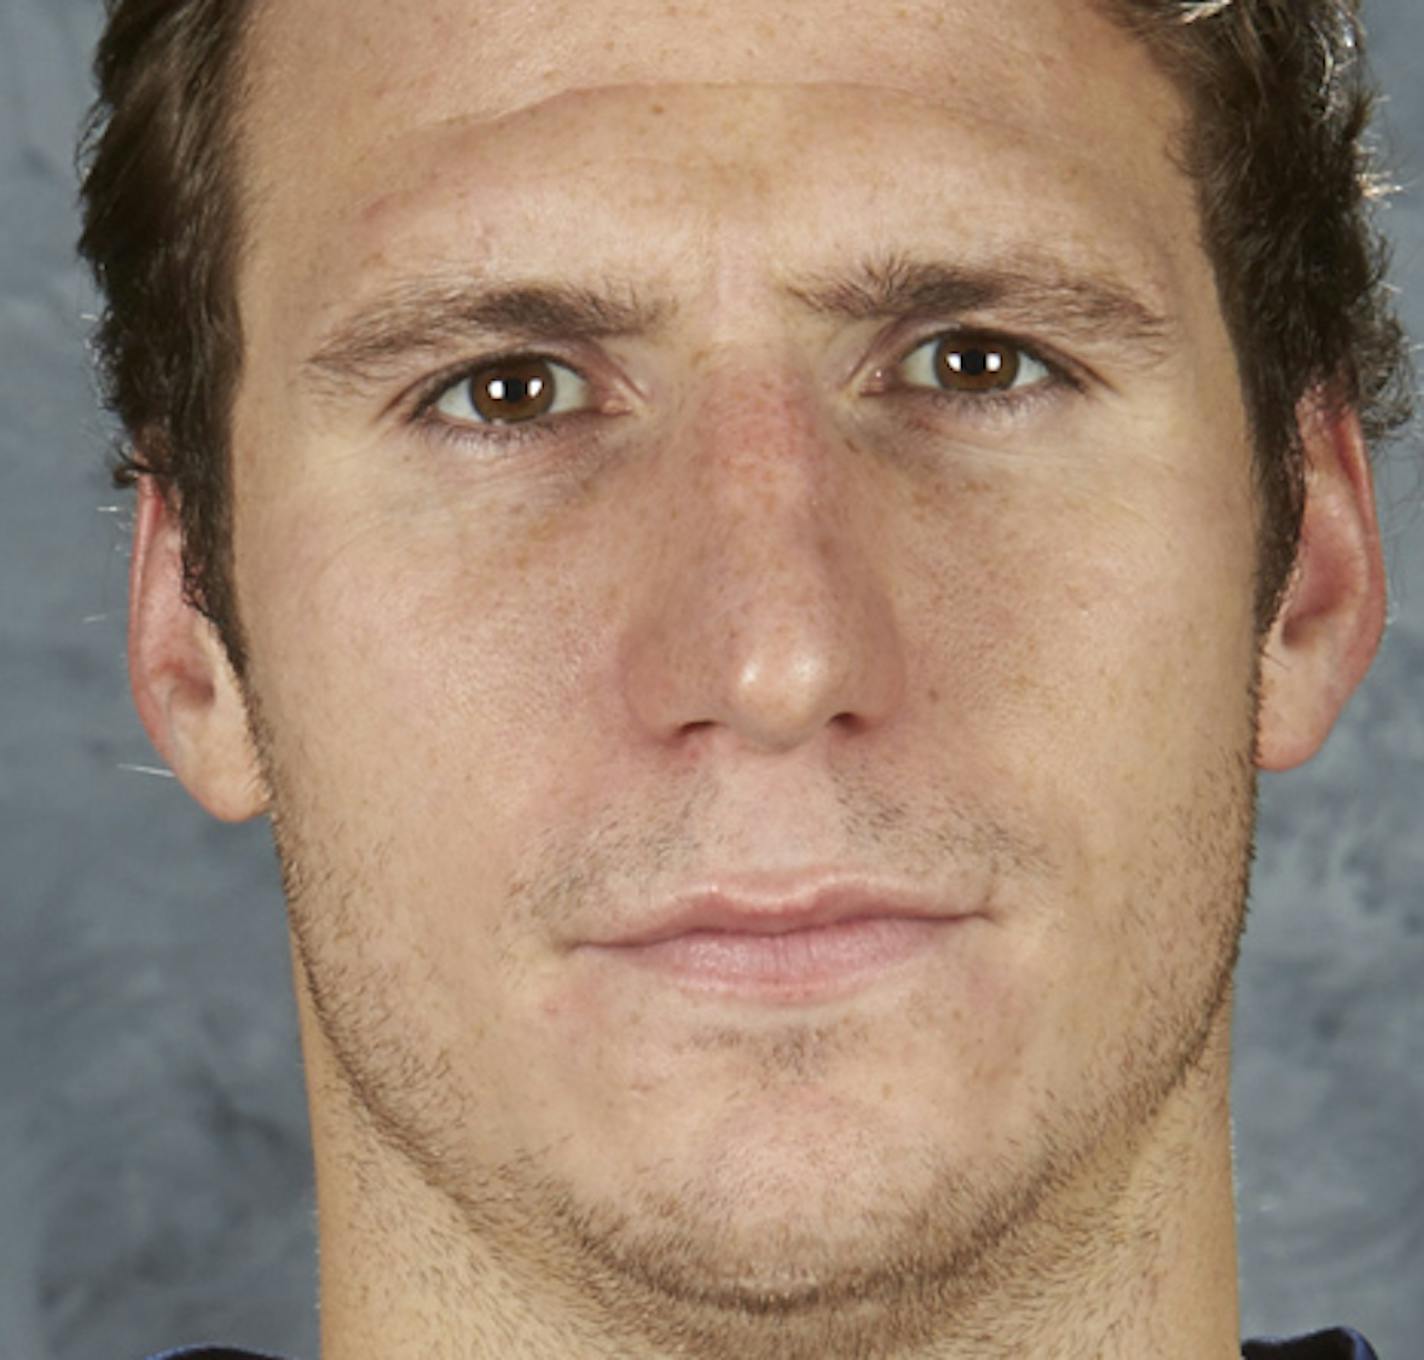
(187,695)
(1329,627)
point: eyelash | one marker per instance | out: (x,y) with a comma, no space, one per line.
(430,394)
(988,406)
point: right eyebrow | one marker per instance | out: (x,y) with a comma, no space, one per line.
(428,317)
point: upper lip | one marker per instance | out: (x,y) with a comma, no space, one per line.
(779,913)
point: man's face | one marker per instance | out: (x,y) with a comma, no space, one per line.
(893,535)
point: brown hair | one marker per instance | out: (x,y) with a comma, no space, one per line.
(1279,98)
(163,235)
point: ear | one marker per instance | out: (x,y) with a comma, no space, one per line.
(184,687)
(1329,627)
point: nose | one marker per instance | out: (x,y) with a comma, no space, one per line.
(765,617)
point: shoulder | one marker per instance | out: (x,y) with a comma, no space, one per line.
(1336,1343)
(212,1353)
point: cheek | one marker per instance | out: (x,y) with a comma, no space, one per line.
(405,663)
(1090,654)
(1094,659)
(1084,597)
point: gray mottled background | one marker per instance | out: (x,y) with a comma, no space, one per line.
(155,1185)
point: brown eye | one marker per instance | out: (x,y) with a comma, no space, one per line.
(962,364)
(512,392)
(978,366)
(518,389)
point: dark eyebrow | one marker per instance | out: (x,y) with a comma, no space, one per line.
(1036,291)
(428,317)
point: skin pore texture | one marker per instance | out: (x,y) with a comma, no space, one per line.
(757,608)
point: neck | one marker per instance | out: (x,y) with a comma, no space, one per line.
(1136,1256)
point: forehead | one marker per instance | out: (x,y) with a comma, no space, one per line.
(476,126)
(371,62)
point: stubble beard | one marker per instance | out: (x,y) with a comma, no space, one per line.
(985,1255)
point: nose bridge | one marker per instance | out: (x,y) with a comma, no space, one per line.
(759,456)
(770,527)
(768,620)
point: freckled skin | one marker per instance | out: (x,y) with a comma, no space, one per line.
(757,620)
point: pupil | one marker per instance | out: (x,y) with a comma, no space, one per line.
(982,367)
(515,390)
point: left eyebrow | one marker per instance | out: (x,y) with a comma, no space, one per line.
(1036,291)
(428,317)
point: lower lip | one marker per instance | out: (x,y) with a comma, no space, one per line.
(820,962)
